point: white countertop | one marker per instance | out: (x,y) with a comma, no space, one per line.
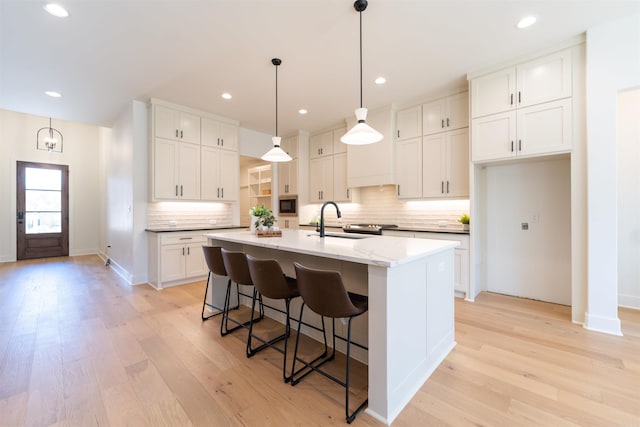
(384,251)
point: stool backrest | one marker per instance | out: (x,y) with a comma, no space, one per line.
(213,258)
(268,278)
(236,265)
(324,292)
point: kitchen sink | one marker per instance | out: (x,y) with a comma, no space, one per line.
(342,235)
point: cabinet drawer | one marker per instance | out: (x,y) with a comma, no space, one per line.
(172,239)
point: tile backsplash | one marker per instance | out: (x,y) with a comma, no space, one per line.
(187,214)
(380,205)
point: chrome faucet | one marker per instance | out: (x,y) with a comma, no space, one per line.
(322,215)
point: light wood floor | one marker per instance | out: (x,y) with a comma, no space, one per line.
(79,347)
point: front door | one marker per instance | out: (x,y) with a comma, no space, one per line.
(42,217)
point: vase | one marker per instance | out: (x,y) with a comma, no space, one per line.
(254,219)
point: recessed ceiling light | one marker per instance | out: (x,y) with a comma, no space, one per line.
(302,111)
(527,21)
(227,95)
(380,80)
(53,94)
(55,10)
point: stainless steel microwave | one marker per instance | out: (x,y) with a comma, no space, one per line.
(288,206)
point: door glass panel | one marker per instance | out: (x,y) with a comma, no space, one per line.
(43,201)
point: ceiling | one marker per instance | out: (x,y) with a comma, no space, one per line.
(109,52)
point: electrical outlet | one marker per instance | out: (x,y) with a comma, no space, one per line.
(525,226)
(173,223)
(213,222)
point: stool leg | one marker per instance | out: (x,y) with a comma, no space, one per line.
(351,417)
(309,366)
(204,301)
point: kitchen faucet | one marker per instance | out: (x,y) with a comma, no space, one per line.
(322,215)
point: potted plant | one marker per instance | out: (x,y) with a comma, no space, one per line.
(261,217)
(464,220)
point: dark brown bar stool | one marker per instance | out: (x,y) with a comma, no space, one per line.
(213,258)
(324,293)
(236,265)
(269,280)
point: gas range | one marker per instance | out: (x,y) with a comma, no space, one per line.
(367,228)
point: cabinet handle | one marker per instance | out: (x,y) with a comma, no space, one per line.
(176,191)
(511,99)
(398,133)
(218,193)
(447,187)
(186,238)
(442,187)
(519,145)
(188,251)
(519,100)
(181,133)
(222,141)
(176,133)
(443,123)
(218,141)
(348,194)
(398,189)
(222,192)
(447,121)
(512,146)
(181,192)
(182,251)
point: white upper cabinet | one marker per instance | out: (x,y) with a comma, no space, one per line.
(409,123)
(290,146)
(176,125)
(446,165)
(288,178)
(321,179)
(446,114)
(339,146)
(176,170)
(409,167)
(523,111)
(220,174)
(219,134)
(541,80)
(321,145)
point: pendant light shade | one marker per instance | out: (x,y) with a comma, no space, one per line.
(276,154)
(361,133)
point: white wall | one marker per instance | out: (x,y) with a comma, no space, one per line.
(81,153)
(628,143)
(125,193)
(613,64)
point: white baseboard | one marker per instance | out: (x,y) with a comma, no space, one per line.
(607,325)
(629,301)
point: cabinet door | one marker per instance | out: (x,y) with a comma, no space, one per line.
(338,146)
(189,171)
(172,262)
(209,173)
(433,170)
(409,168)
(229,175)
(493,93)
(165,169)
(289,223)
(228,137)
(545,79)
(189,128)
(458,111)
(457,163)
(288,177)
(321,145)
(341,192)
(327,179)
(434,117)
(195,264)
(409,123)
(461,268)
(166,123)
(315,180)
(290,146)
(493,137)
(545,128)
(210,133)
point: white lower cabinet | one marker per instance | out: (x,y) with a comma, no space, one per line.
(288,223)
(176,258)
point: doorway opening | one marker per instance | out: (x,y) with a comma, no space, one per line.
(42,210)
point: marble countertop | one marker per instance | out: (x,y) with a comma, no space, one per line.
(169,229)
(383,251)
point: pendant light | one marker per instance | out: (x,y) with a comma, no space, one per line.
(276,154)
(49,139)
(361,133)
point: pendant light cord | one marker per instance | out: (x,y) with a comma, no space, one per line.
(276,100)
(360,59)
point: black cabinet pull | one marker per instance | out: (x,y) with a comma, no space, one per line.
(519,145)
(188,251)
(181,134)
(442,187)
(222,192)
(181,191)
(176,191)
(512,146)
(447,121)
(176,133)
(398,133)
(443,123)
(447,187)
(511,102)
(519,100)
(182,251)
(218,196)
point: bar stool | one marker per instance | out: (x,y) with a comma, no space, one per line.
(324,293)
(269,280)
(215,263)
(236,265)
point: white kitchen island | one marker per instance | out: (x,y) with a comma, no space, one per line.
(409,282)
